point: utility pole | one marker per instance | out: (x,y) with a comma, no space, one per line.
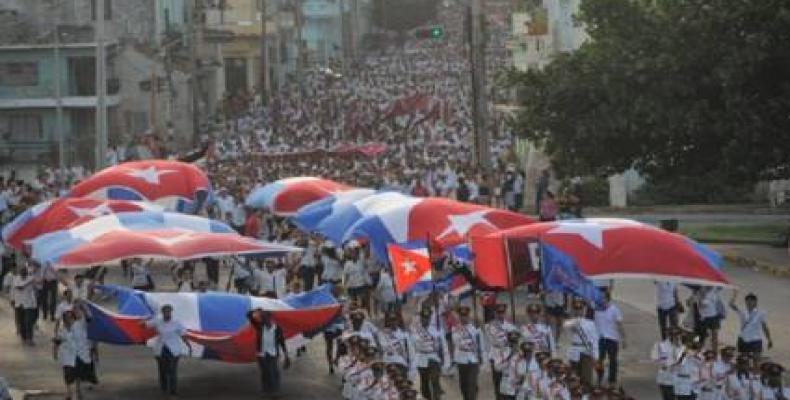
(195,18)
(343,32)
(101,88)
(479,95)
(59,102)
(355,28)
(300,59)
(263,83)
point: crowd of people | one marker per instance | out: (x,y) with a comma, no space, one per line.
(413,99)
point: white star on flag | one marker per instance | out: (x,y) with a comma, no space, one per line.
(408,266)
(150,174)
(173,240)
(461,224)
(98,211)
(590,230)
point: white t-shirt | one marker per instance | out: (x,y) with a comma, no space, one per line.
(169,334)
(24,292)
(355,273)
(708,305)
(268,341)
(665,295)
(751,325)
(606,322)
(332,270)
(139,275)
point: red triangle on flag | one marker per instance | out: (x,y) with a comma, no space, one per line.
(408,266)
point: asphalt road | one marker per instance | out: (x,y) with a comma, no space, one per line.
(130,372)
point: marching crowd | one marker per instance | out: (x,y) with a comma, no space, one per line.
(386,346)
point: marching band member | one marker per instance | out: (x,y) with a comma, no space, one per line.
(467,353)
(495,334)
(665,353)
(536,331)
(583,349)
(430,349)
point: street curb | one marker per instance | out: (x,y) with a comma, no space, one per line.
(755,265)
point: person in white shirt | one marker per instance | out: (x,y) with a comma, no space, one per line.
(308,263)
(272,280)
(667,306)
(430,350)
(48,296)
(467,351)
(141,277)
(170,344)
(25,304)
(66,304)
(270,346)
(609,323)
(395,342)
(752,326)
(537,332)
(665,353)
(711,311)
(687,372)
(333,270)
(583,347)
(355,276)
(496,344)
(72,350)
(385,292)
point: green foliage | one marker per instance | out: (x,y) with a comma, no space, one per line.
(706,189)
(403,15)
(673,88)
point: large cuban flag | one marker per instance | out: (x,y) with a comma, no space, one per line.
(309,217)
(175,185)
(216,321)
(343,216)
(444,222)
(114,237)
(286,196)
(63,213)
(606,248)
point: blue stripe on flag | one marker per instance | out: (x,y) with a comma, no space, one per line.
(222,312)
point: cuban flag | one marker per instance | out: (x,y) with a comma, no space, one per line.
(175,185)
(64,213)
(446,222)
(286,196)
(216,322)
(560,273)
(455,284)
(411,264)
(309,217)
(114,237)
(606,248)
(335,225)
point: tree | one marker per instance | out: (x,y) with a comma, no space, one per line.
(670,87)
(403,15)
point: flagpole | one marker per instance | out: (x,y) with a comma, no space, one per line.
(510,281)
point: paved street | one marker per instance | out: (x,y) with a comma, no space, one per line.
(130,372)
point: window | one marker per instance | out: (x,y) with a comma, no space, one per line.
(107,10)
(19,74)
(20,126)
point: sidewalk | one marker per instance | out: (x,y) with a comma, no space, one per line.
(772,260)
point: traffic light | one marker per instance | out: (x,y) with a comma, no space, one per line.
(435,32)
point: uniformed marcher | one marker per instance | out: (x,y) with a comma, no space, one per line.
(773,388)
(517,381)
(711,378)
(687,372)
(395,342)
(737,385)
(665,354)
(495,335)
(537,331)
(467,353)
(430,350)
(583,348)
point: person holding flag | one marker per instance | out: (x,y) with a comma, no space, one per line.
(170,344)
(495,334)
(467,351)
(430,350)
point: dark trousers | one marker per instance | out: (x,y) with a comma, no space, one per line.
(429,381)
(308,277)
(584,369)
(48,299)
(666,319)
(270,374)
(689,397)
(168,371)
(26,322)
(467,380)
(212,271)
(19,318)
(608,348)
(667,392)
(496,377)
